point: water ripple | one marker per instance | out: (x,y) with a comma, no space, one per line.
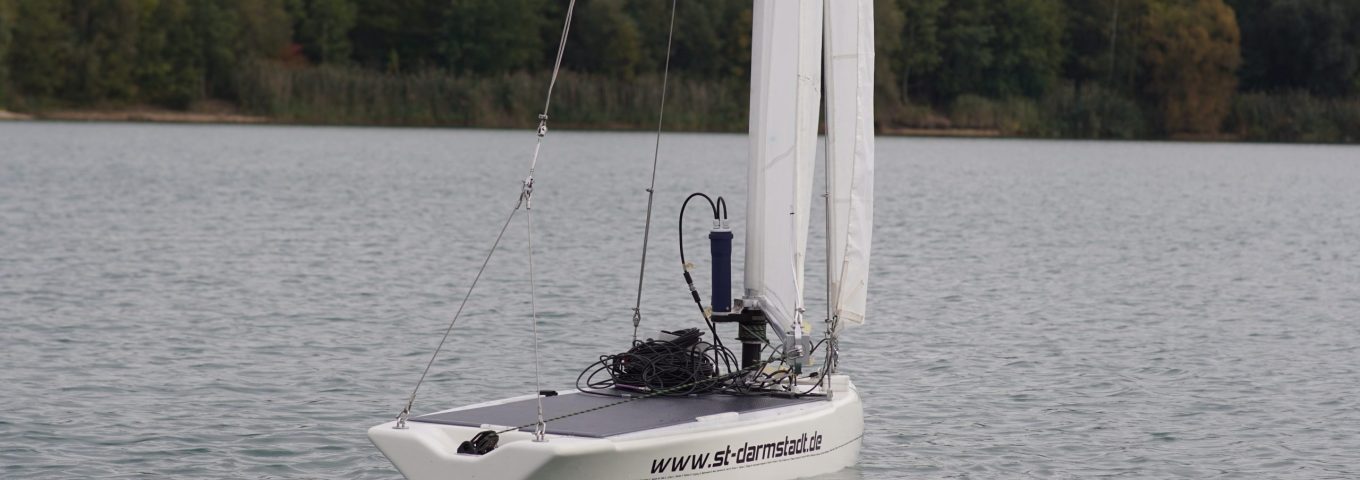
(227,302)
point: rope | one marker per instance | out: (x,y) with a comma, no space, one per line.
(525,200)
(651,189)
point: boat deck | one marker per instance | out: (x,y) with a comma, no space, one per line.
(606,416)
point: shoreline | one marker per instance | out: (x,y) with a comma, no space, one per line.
(156,115)
(229,117)
(149,115)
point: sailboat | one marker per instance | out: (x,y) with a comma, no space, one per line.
(778,414)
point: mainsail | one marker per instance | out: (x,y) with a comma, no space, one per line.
(850,137)
(785,102)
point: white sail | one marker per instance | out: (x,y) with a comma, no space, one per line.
(850,137)
(786,69)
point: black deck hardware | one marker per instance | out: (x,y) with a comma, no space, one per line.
(481,444)
(750,332)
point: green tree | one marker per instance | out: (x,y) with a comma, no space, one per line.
(7,18)
(1100,41)
(264,29)
(651,17)
(888,21)
(215,30)
(228,33)
(609,43)
(712,37)
(999,48)
(43,47)
(170,67)
(1309,45)
(1190,56)
(1028,48)
(322,28)
(495,36)
(699,40)
(919,48)
(106,50)
(736,53)
(402,35)
(966,36)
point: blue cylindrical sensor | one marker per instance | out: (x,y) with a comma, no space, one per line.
(720,244)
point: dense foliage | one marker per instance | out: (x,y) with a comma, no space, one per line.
(1267,69)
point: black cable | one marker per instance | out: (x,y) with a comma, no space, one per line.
(686,365)
(681,230)
(689,279)
(683,365)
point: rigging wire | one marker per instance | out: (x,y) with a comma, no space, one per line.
(405,412)
(561,47)
(651,189)
(525,200)
(533,311)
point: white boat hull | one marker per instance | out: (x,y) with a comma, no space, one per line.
(781,443)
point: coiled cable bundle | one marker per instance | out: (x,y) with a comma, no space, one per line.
(680,365)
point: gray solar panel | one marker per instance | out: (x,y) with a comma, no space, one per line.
(617,416)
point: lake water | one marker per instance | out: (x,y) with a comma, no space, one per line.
(243,302)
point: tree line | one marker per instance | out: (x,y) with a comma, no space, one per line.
(1256,69)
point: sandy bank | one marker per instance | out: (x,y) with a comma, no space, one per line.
(8,115)
(149,115)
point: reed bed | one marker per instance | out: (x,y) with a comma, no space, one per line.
(341,95)
(1295,117)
